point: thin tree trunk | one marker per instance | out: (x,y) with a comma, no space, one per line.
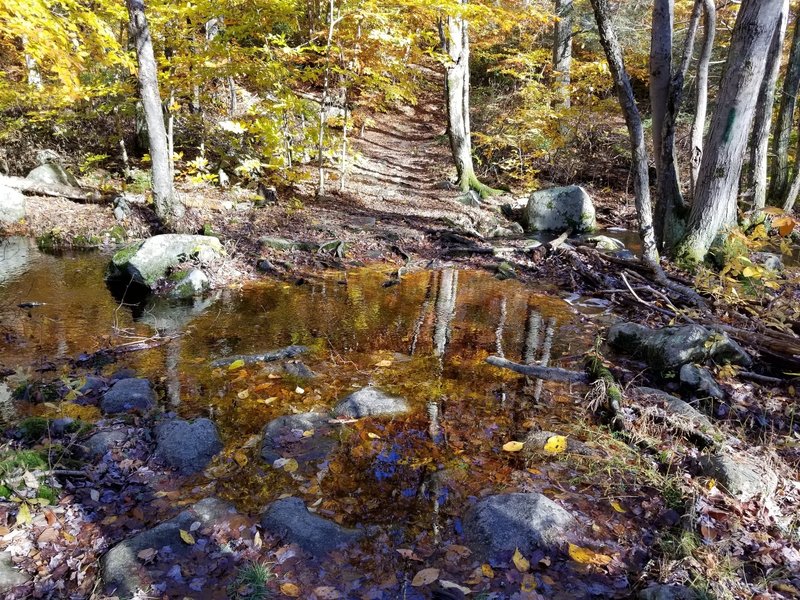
(641,181)
(166,208)
(454,36)
(779,170)
(701,103)
(660,73)
(324,101)
(714,205)
(562,51)
(759,145)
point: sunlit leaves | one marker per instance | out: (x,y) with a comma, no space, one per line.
(587,556)
(513,446)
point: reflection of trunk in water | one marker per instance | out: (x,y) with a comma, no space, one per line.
(423,313)
(532,334)
(533,339)
(501,326)
(445,310)
(547,347)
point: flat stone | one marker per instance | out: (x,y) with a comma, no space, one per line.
(187,446)
(370,402)
(10,576)
(742,477)
(128,395)
(499,524)
(701,382)
(668,592)
(123,572)
(284,438)
(103,441)
(148,262)
(290,520)
(13,205)
(269,356)
(277,243)
(560,209)
(52,174)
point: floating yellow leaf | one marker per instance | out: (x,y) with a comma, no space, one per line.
(487,570)
(240,458)
(308,433)
(299,390)
(587,556)
(290,466)
(513,446)
(522,563)
(383,363)
(373,436)
(556,444)
(290,589)
(237,364)
(528,583)
(617,507)
(244,394)
(425,577)
(186,536)
(270,400)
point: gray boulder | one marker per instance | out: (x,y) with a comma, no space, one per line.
(669,348)
(190,284)
(370,402)
(10,577)
(146,263)
(13,206)
(103,441)
(668,592)
(673,406)
(286,437)
(124,572)
(701,382)
(290,520)
(768,260)
(187,447)
(277,243)
(499,524)
(269,356)
(742,477)
(128,395)
(52,174)
(559,209)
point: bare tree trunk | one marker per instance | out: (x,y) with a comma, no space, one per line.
(167,208)
(779,170)
(562,50)
(701,104)
(324,101)
(641,181)
(714,205)
(454,36)
(759,144)
(660,73)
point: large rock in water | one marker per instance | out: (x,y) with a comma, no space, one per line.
(370,402)
(52,174)
(149,261)
(290,520)
(289,437)
(559,209)
(669,348)
(128,395)
(668,592)
(528,521)
(187,447)
(13,206)
(124,572)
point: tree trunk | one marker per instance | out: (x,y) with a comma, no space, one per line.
(714,204)
(454,35)
(324,101)
(660,73)
(759,144)
(701,103)
(166,207)
(779,170)
(641,181)
(562,51)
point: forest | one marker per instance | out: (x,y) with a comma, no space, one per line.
(362,299)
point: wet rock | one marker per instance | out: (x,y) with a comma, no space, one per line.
(93,386)
(123,572)
(742,477)
(559,209)
(701,382)
(505,270)
(265,266)
(13,206)
(286,437)
(148,262)
(370,402)
(290,520)
(10,576)
(187,446)
(52,174)
(669,348)
(269,356)
(62,425)
(123,374)
(128,395)
(603,242)
(499,524)
(536,441)
(103,441)
(190,284)
(298,369)
(668,592)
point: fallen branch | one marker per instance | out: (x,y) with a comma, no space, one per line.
(549,373)
(54,189)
